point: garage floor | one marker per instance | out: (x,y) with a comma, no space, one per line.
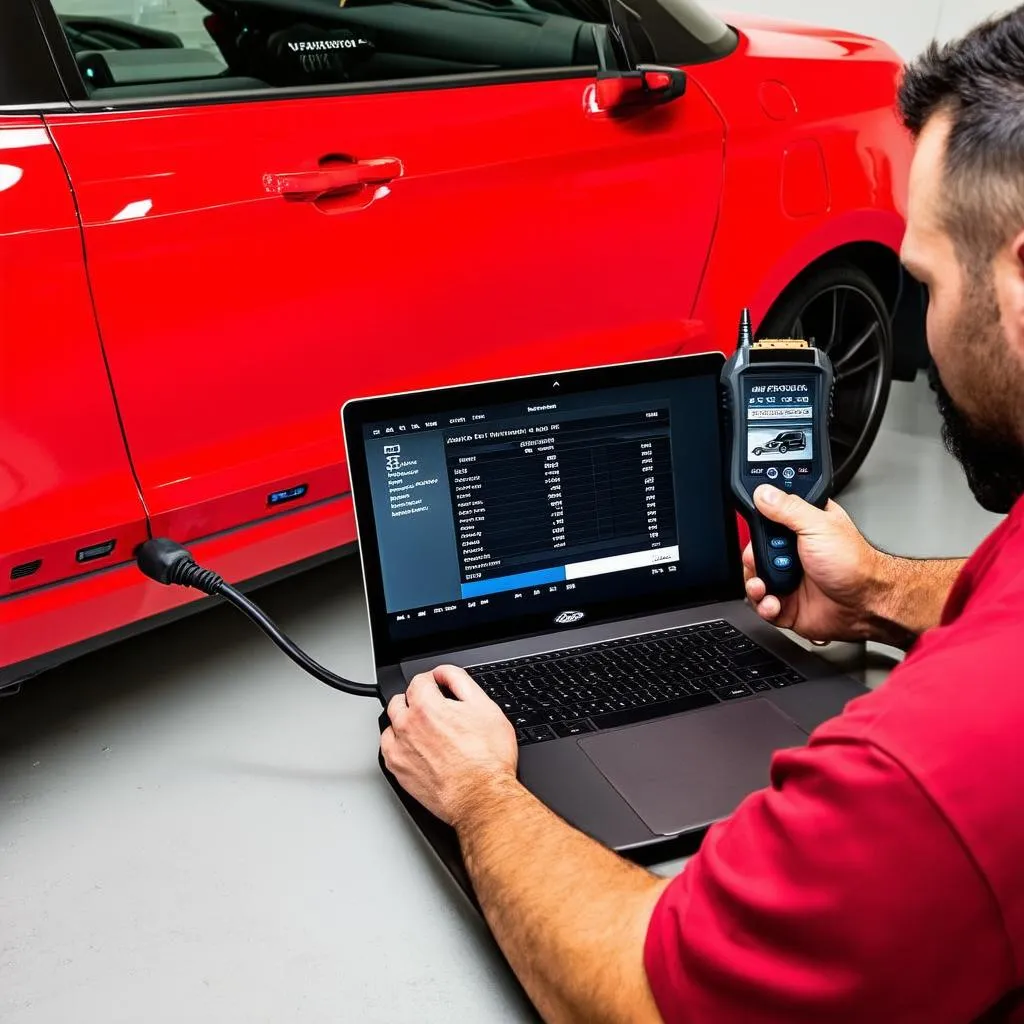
(194,831)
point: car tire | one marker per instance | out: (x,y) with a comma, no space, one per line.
(840,309)
(783,449)
(758,451)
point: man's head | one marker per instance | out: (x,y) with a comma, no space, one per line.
(964,103)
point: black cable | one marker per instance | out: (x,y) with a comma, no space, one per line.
(169,563)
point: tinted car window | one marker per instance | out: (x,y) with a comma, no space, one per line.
(154,47)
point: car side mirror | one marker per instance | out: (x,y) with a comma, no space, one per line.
(647,86)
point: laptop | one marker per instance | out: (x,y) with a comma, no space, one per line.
(569,539)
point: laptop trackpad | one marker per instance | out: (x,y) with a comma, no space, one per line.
(689,770)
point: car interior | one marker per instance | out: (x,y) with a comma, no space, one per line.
(259,44)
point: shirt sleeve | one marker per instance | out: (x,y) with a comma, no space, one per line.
(840,894)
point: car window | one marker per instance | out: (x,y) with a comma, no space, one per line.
(131,48)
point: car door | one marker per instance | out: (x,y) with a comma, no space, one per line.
(68,502)
(336,200)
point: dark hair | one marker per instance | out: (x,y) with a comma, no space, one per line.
(978,81)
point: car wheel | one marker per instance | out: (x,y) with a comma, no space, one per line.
(758,451)
(783,449)
(839,309)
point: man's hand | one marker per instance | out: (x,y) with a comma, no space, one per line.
(841,571)
(570,915)
(850,590)
(441,750)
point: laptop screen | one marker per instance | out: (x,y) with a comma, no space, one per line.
(544,503)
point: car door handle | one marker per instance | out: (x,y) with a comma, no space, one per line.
(336,177)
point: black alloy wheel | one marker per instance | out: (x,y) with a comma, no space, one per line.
(841,311)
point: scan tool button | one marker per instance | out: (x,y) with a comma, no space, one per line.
(773,473)
(789,473)
(782,562)
(777,542)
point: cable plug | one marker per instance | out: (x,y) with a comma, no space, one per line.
(169,563)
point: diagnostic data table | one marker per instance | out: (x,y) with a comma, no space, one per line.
(562,491)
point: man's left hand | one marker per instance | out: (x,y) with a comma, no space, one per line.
(442,750)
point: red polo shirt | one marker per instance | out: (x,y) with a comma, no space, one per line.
(880,876)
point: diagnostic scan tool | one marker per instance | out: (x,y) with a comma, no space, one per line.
(777,396)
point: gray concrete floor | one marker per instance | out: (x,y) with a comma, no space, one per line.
(194,831)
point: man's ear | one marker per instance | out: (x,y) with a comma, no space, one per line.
(1010,290)
(1018,250)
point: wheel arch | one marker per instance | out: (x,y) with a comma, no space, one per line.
(905,298)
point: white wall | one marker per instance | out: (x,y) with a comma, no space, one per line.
(959,15)
(906,25)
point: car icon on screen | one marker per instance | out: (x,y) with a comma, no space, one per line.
(787,441)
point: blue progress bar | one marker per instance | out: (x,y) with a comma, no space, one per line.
(479,588)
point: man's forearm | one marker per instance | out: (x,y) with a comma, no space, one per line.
(909,597)
(570,915)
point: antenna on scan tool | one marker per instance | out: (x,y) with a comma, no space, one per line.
(746,334)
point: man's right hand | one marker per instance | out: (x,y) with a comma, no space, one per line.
(850,590)
(842,571)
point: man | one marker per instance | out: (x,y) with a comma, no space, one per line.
(880,877)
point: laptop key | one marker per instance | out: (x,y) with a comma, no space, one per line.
(521,736)
(733,692)
(760,685)
(738,645)
(539,733)
(722,664)
(576,728)
(718,679)
(748,675)
(725,632)
(778,682)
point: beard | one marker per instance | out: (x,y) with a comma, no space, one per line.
(991,457)
(986,442)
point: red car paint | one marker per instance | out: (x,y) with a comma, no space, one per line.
(221,314)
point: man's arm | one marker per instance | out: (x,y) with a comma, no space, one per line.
(908,596)
(570,915)
(768,922)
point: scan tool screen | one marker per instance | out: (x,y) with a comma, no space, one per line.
(780,428)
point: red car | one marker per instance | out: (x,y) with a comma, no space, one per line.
(219,219)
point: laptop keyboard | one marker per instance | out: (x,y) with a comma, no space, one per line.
(633,679)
